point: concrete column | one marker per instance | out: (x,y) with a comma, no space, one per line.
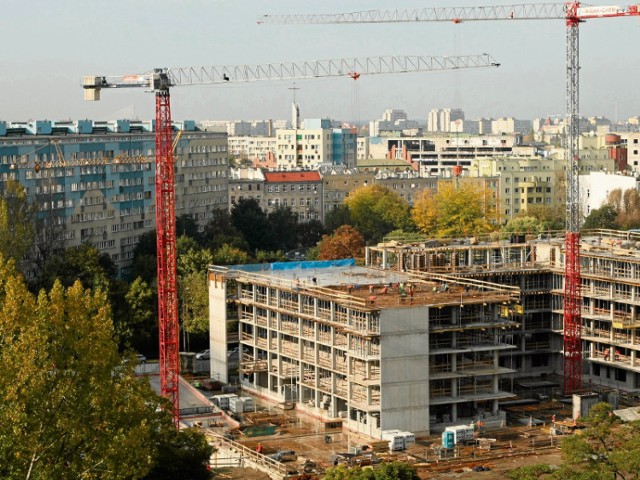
(454,412)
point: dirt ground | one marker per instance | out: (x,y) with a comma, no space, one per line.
(512,447)
(497,472)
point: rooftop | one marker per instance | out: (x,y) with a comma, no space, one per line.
(371,287)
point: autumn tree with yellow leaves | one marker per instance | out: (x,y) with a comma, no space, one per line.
(453,211)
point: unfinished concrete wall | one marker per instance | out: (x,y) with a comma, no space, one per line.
(218,327)
(404,362)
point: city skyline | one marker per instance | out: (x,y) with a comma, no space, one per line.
(49,48)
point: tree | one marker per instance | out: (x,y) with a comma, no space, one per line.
(336,217)
(345,242)
(252,222)
(310,233)
(605,449)
(145,263)
(142,301)
(456,212)
(284,224)
(84,263)
(180,454)
(375,211)
(228,255)
(17,218)
(603,217)
(187,226)
(385,471)
(524,224)
(629,213)
(268,257)
(220,230)
(551,217)
(191,257)
(69,408)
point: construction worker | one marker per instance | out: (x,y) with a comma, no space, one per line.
(259,448)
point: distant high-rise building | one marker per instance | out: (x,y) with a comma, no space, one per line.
(439,120)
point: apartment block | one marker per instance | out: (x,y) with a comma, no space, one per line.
(94,182)
(438,154)
(299,190)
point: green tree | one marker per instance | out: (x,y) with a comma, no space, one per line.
(336,217)
(228,255)
(284,225)
(524,224)
(17,218)
(346,242)
(142,301)
(187,226)
(385,471)
(268,257)
(603,217)
(252,222)
(194,300)
(145,263)
(551,217)
(191,257)
(452,211)
(220,230)
(84,263)
(605,449)
(180,454)
(376,210)
(69,408)
(310,233)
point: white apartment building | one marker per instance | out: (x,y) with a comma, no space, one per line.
(437,154)
(510,125)
(595,188)
(632,140)
(259,149)
(306,148)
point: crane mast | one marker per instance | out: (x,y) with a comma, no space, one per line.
(573,14)
(160,81)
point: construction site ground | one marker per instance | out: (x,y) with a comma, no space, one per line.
(519,443)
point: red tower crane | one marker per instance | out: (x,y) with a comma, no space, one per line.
(160,81)
(573,14)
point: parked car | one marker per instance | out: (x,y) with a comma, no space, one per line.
(203,355)
(141,359)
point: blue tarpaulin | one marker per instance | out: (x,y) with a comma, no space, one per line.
(277,266)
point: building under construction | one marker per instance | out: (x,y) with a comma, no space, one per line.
(427,335)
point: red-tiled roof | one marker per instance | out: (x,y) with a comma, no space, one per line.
(276,177)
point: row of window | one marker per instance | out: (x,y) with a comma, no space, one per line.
(92,216)
(301,188)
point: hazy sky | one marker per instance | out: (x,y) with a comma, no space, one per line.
(48,45)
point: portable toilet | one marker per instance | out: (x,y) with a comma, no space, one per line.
(409,439)
(395,439)
(236,405)
(448,439)
(461,433)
